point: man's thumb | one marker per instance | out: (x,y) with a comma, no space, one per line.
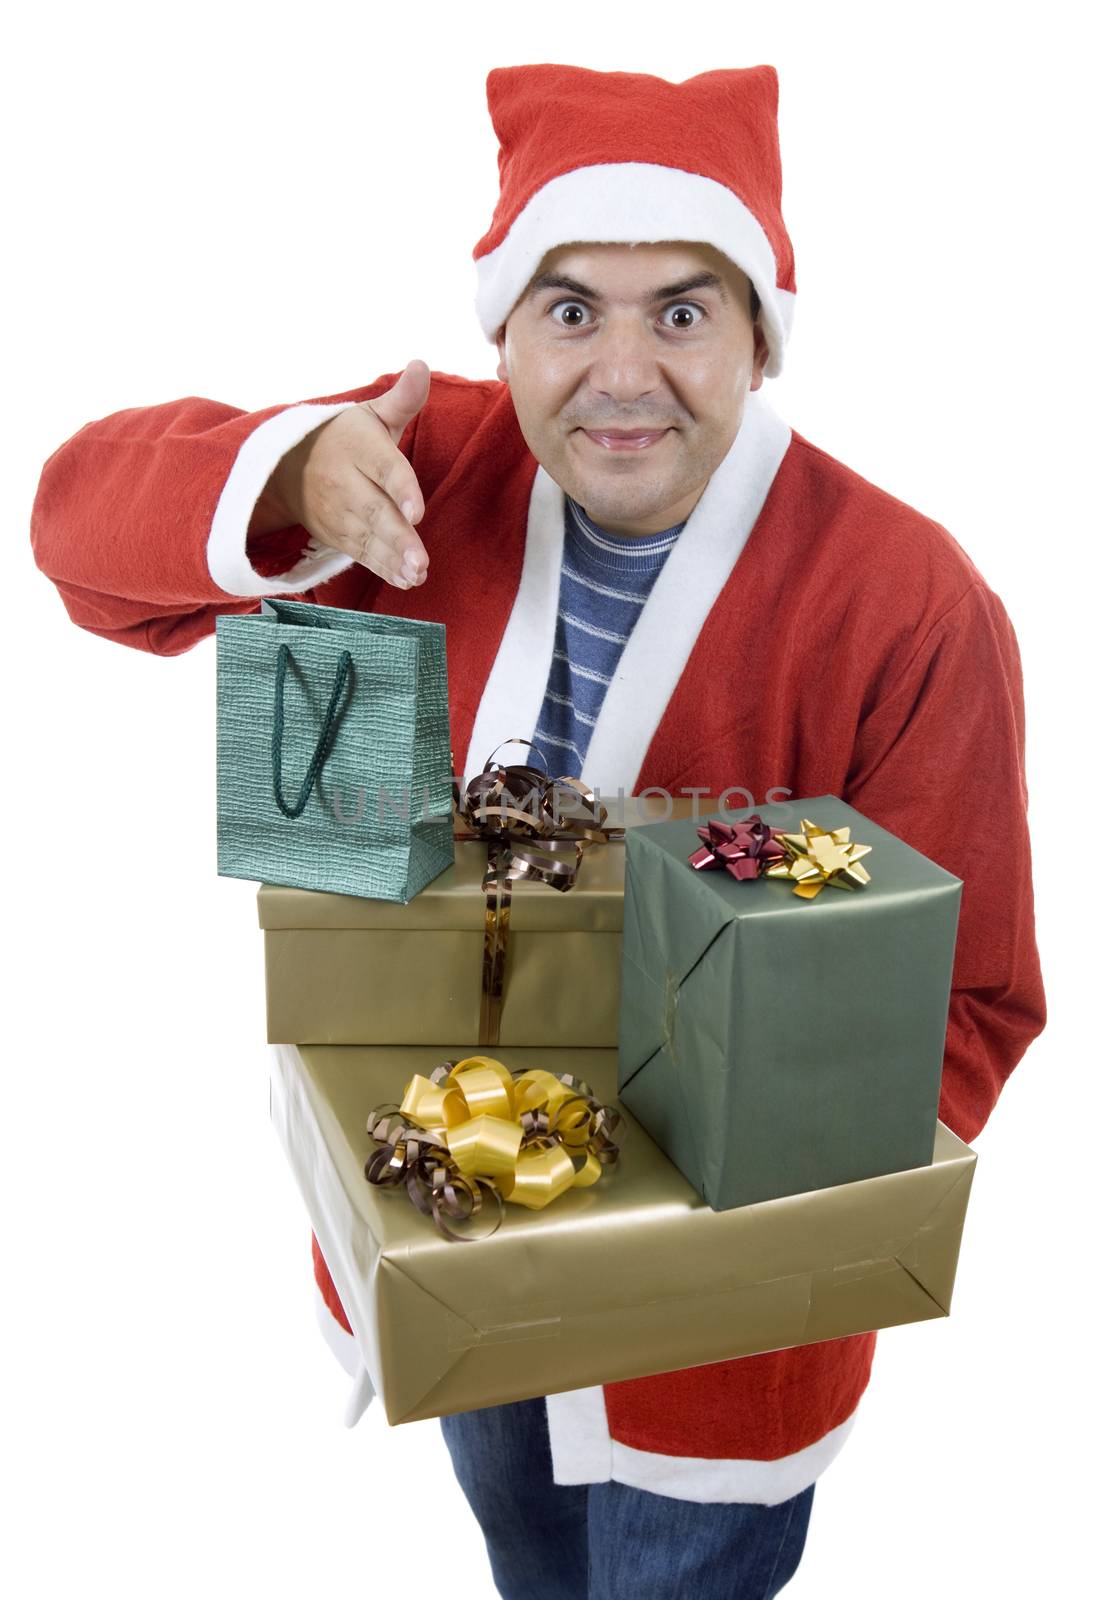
(398,405)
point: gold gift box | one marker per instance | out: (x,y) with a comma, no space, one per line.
(342,969)
(633,1276)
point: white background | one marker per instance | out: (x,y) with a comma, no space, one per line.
(264,203)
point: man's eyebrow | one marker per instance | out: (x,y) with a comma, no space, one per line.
(558,280)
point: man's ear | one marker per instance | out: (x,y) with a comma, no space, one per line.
(500,341)
(761,356)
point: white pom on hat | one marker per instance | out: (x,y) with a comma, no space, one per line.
(626,158)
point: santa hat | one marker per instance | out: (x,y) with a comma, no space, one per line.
(624,158)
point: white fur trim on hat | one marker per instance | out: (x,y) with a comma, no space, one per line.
(633,202)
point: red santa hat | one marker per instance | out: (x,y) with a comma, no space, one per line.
(625,158)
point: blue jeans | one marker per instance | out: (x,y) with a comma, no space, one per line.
(607,1541)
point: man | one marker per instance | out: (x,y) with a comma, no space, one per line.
(639,561)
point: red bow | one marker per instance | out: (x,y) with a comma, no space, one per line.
(744,848)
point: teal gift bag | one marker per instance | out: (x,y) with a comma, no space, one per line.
(334,750)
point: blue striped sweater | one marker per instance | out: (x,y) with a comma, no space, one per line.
(605,579)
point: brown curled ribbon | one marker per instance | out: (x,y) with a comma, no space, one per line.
(811,859)
(534,827)
(475,1132)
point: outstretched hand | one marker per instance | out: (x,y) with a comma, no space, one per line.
(352,489)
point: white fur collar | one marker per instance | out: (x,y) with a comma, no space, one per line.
(656,652)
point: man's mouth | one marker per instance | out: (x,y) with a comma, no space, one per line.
(625,438)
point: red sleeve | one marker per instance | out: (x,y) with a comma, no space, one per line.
(940,761)
(141,519)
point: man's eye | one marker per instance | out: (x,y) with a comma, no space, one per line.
(565,306)
(573,314)
(685,305)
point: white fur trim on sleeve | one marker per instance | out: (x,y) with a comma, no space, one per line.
(229,564)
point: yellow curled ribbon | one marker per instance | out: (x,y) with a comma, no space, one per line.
(817,856)
(474,1131)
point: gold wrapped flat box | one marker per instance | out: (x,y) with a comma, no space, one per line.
(632,1276)
(342,969)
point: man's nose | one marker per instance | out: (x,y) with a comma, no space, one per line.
(625,361)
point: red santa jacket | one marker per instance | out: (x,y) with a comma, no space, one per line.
(808,632)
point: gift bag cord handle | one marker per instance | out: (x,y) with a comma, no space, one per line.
(331,720)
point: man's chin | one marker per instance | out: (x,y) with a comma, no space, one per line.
(614,512)
(603,494)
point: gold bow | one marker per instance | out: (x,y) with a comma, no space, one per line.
(475,1131)
(817,856)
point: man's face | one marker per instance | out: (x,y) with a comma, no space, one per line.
(611,338)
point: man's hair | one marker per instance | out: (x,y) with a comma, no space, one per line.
(756,304)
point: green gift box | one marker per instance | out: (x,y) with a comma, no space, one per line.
(334,750)
(774,1045)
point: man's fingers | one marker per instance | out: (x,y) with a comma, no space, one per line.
(398,405)
(376,534)
(387,469)
(358,492)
